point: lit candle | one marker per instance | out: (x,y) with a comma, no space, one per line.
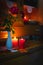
(21,43)
(15,42)
(25,18)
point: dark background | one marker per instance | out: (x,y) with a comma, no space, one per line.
(33,3)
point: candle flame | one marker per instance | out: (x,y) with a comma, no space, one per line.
(15,39)
(25,17)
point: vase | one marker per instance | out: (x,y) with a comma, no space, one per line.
(9,42)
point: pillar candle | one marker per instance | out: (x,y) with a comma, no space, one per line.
(15,43)
(21,43)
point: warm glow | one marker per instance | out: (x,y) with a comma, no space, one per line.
(5,36)
(25,18)
(15,15)
(15,43)
(15,39)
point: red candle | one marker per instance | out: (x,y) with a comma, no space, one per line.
(21,43)
(15,43)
